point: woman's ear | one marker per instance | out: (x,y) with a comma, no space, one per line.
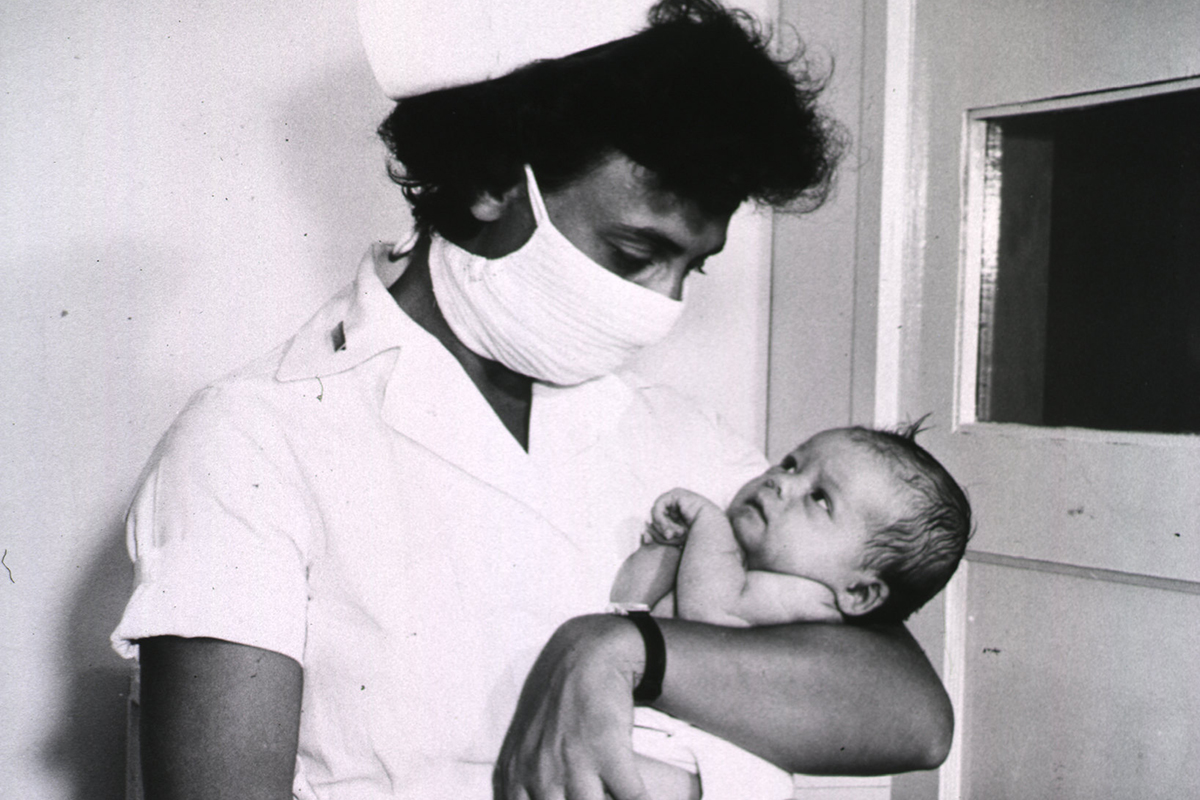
(506,223)
(489,208)
(863,596)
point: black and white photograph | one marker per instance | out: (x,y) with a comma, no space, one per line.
(600,400)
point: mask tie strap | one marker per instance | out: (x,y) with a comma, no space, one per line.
(540,215)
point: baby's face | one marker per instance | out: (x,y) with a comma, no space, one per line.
(813,514)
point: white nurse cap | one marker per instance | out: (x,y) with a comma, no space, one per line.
(416,46)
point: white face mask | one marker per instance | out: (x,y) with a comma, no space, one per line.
(546,310)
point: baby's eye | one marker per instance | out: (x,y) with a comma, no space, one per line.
(788,464)
(819,497)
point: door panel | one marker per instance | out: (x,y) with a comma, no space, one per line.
(1106,704)
(1071,635)
(1122,502)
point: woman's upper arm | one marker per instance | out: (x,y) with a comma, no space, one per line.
(219,720)
(813,698)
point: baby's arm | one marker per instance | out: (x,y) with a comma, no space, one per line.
(712,571)
(776,598)
(648,575)
(713,584)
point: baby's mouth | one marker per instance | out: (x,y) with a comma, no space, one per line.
(755,503)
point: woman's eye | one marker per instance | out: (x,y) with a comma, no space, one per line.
(820,498)
(788,464)
(632,262)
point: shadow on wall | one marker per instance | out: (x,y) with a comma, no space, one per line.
(325,155)
(88,743)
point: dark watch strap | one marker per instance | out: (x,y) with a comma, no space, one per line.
(650,686)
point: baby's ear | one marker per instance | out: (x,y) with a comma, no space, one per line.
(863,596)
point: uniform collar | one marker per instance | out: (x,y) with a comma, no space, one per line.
(363,320)
(358,323)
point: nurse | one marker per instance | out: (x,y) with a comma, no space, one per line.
(352,552)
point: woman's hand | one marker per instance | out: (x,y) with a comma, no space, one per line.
(810,697)
(570,735)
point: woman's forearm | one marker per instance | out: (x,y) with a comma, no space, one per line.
(816,698)
(219,720)
(813,698)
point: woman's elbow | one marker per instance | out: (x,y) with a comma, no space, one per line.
(933,734)
(925,706)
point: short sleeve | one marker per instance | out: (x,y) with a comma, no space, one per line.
(220,531)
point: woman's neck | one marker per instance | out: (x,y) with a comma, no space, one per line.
(509,393)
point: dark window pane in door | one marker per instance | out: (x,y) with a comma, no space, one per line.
(1093,315)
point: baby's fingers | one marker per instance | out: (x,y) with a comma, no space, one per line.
(667,525)
(655,535)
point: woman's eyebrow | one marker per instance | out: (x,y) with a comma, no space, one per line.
(655,238)
(661,241)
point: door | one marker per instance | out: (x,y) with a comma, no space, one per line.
(1015,240)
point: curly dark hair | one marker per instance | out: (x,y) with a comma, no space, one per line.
(696,98)
(917,555)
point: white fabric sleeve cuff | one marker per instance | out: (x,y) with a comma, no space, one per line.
(726,771)
(219,532)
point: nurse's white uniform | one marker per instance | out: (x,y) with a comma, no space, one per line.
(351,501)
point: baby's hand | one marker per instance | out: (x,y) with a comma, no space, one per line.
(673,515)
(664,535)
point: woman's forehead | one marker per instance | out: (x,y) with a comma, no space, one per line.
(618,191)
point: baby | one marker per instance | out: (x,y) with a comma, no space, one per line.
(854,525)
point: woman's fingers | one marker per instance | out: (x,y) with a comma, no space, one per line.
(620,774)
(584,785)
(505,789)
(569,772)
(570,734)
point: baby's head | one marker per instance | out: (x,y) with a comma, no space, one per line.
(869,513)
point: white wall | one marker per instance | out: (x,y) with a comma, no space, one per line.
(825,263)
(182,185)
